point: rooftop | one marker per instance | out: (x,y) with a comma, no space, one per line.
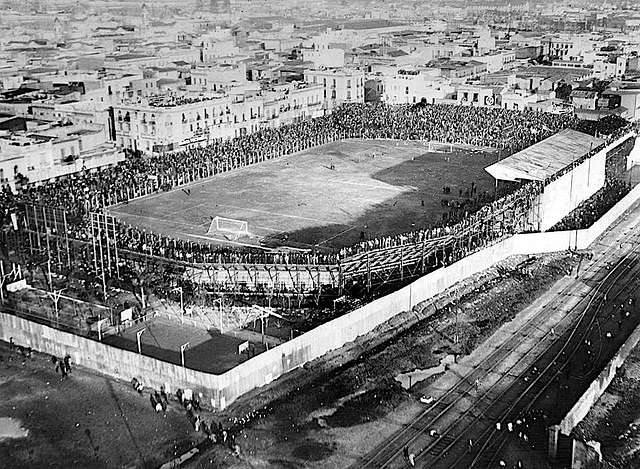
(546,158)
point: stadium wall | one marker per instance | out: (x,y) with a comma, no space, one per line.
(223,389)
(599,385)
(334,334)
(112,361)
(634,156)
(563,195)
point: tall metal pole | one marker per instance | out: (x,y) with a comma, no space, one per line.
(93,242)
(46,230)
(106,233)
(55,224)
(66,237)
(183,347)
(115,246)
(138,334)
(104,281)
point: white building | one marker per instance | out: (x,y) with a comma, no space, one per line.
(344,85)
(170,123)
(410,86)
(52,152)
(324,57)
(499,60)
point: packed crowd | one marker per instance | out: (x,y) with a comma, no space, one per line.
(140,175)
(478,126)
(589,211)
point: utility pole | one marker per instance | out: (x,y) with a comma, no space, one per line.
(55,297)
(179,289)
(138,334)
(183,347)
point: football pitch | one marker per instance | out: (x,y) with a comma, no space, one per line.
(208,351)
(324,197)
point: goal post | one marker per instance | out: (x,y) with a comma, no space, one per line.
(230,226)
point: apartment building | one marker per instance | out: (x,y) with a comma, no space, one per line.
(340,85)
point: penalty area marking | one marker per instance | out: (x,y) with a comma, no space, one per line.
(336,235)
(275,213)
(237,243)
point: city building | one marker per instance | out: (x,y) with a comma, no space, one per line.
(342,85)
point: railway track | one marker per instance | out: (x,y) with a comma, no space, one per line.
(490,446)
(385,455)
(493,446)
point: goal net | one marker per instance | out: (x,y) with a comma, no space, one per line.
(228,226)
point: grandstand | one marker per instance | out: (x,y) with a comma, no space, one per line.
(544,159)
(349,198)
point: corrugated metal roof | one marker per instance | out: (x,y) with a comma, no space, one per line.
(546,158)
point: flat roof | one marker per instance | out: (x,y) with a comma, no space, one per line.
(545,158)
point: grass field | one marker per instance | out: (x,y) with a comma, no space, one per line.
(377,187)
(208,351)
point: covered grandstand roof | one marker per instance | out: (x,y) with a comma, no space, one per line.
(545,158)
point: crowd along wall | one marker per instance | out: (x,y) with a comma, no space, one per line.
(106,359)
(332,335)
(564,194)
(223,389)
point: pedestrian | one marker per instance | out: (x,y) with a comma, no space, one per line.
(63,369)
(11,344)
(67,363)
(405,453)
(412,459)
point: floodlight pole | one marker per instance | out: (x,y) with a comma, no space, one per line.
(138,334)
(179,289)
(183,347)
(55,296)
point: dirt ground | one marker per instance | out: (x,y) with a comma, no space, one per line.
(614,420)
(85,421)
(328,419)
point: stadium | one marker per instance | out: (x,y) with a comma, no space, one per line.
(309,234)
(325,198)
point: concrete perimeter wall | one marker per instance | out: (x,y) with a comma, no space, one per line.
(264,368)
(599,385)
(564,194)
(106,359)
